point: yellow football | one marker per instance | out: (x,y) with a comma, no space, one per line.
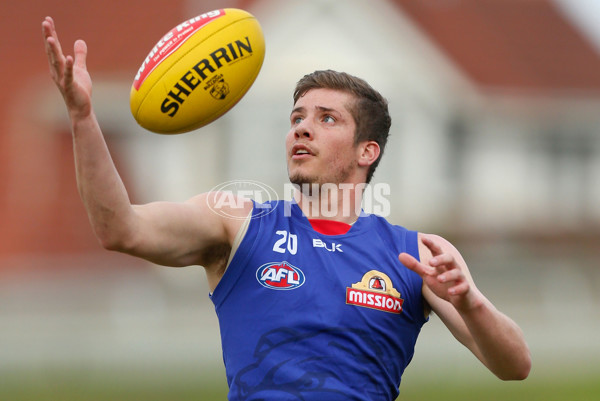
(198,71)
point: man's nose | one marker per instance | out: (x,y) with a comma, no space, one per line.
(304,130)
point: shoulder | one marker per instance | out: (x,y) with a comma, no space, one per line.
(222,203)
(444,245)
(224,209)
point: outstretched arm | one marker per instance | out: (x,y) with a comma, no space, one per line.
(98,182)
(450,291)
(174,234)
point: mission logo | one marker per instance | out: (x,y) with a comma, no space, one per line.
(280,276)
(375,291)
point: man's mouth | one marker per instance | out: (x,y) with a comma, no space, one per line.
(301,151)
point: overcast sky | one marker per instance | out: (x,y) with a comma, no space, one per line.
(586,13)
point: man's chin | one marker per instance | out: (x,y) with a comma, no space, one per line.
(300,180)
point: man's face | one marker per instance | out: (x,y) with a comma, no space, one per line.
(320,144)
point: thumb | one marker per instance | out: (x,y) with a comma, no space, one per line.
(80,51)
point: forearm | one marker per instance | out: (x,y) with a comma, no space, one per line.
(499,342)
(99,184)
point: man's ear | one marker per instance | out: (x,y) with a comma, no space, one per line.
(369,152)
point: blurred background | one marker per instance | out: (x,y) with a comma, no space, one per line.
(495,144)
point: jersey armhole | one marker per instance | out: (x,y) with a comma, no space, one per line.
(412,244)
(412,247)
(236,242)
(239,237)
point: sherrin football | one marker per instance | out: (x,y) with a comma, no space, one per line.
(198,71)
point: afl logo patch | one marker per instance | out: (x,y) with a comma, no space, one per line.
(280,276)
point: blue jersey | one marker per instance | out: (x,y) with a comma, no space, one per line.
(308,316)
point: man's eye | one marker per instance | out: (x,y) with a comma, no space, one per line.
(296,120)
(328,119)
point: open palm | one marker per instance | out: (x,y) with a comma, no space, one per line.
(69,73)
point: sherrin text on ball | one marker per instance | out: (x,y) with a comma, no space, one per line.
(198,71)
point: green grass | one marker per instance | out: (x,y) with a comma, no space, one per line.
(551,389)
(85,384)
(162,384)
(549,380)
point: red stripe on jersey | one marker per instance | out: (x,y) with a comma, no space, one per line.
(329,227)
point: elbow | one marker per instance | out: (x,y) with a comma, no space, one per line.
(517,375)
(524,370)
(520,371)
(115,230)
(111,244)
(114,241)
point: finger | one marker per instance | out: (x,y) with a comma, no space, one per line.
(443,262)
(459,289)
(433,246)
(53,50)
(68,71)
(454,275)
(55,58)
(413,264)
(80,51)
(49,29)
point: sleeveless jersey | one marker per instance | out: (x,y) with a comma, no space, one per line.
(308,316)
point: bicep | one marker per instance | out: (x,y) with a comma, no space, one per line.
(181,234)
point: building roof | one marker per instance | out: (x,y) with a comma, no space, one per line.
(522,45)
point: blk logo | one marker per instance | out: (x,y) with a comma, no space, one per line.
(333,247)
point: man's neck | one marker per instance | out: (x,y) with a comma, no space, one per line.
(339,202)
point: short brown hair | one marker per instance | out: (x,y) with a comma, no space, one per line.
(370,110)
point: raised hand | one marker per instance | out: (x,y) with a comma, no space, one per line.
(69,73)
(443,275)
